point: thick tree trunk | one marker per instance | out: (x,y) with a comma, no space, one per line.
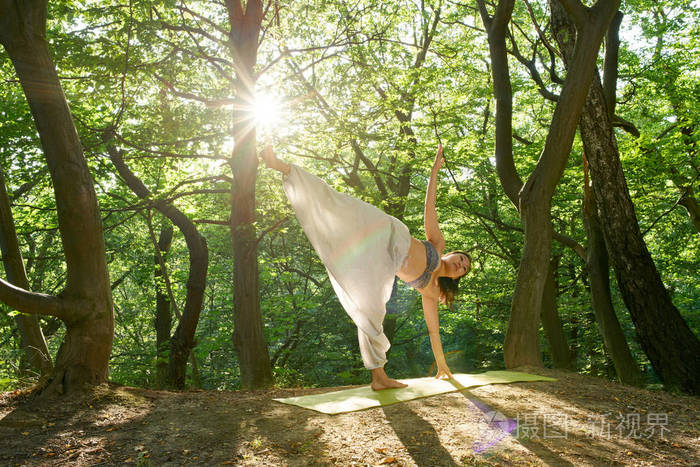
(164,314)
(36,353)
(85,305)
(479,359)
(521,343)
(248,335)
(672,347)
(598,272)
(553,329)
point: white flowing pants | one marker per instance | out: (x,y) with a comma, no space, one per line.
(362,249)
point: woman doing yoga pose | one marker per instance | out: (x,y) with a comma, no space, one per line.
(363,248)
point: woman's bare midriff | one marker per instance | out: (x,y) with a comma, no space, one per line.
(415,262)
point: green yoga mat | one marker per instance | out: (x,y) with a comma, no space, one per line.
(350,400)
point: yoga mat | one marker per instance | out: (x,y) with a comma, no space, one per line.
(350,400)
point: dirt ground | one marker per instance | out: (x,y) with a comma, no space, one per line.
(576,420)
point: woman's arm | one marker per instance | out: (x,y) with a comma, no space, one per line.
(430,221)
(430,311)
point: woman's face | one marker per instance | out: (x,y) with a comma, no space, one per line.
(457,264)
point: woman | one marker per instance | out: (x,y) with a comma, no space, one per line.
(363,249)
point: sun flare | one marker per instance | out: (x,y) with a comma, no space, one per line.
(267,111)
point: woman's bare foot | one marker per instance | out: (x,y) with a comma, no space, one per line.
(272,162)
(387,384)
(381,381)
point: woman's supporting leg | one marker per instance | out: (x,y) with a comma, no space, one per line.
(373,343)
(373,351)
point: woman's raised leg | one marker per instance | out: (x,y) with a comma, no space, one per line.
(273,162)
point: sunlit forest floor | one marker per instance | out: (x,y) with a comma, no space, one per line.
(577,420)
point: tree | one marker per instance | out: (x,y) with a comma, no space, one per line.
(534,199)
(182,341)
(598,268)
(673,349)
(228,48)
(248,336)
(163,75)
(85,304)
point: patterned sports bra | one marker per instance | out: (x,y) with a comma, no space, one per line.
(432,261)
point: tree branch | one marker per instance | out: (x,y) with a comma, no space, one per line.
(663,214)
(32,302)
(210,103)
(501,17)
(201,32)
(534,73)
(270,229)
(552,50)
(303,274)
(610,67)
(626,125)
(485,17)
(28,186)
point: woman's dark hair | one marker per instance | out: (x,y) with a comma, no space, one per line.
(450,287)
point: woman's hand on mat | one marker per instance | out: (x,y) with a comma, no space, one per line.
(439,160)
(443,373)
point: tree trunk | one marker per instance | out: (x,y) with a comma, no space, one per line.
(85,305)
(521,346)
(521,343)
(36,353)
(672,348)
(248,335)
(164,314)
(553,329)
(598,272)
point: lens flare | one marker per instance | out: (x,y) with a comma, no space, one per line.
(267,112)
